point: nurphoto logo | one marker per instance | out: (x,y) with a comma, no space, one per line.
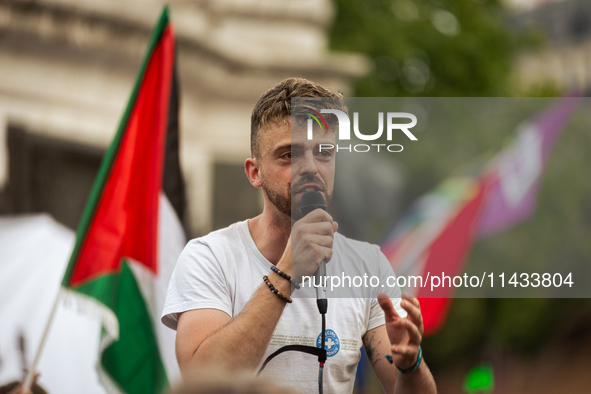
(344,132)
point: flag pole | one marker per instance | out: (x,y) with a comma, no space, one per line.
(31,373)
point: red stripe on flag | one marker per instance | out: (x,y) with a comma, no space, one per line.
(434,313)
(446,256)
(125,223)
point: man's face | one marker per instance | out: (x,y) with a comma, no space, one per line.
(291,165)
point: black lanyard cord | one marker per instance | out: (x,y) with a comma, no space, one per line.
(320,352)
(315,351)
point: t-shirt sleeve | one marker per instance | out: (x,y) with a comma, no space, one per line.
(197,282)
(376,314)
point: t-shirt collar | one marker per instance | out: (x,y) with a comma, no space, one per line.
(252,246)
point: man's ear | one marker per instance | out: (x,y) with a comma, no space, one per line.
(252,170)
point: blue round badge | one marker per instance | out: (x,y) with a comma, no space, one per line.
(332,342)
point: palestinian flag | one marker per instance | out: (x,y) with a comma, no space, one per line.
(130,236)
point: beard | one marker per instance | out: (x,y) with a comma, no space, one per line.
(280,201)
(283,202)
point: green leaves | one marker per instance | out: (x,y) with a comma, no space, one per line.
(435,48)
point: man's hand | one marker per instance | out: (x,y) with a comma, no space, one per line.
(310,242)
(405,334)
(400,337)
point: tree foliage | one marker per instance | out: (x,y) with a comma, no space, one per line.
(443,48)
(426,47)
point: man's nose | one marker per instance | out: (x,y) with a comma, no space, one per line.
(307,164)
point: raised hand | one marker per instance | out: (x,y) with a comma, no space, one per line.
(405,333)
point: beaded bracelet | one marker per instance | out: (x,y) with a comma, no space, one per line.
(275,291)
(285,276)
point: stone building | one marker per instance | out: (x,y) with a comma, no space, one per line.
(68,66)
(565,60)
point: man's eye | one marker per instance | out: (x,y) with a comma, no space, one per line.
(287,155)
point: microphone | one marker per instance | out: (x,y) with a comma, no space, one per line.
(310,202)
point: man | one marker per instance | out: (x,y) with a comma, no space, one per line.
(225,313)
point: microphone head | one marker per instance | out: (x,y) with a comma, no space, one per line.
(311,201)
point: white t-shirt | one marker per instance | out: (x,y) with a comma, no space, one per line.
(223,270)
